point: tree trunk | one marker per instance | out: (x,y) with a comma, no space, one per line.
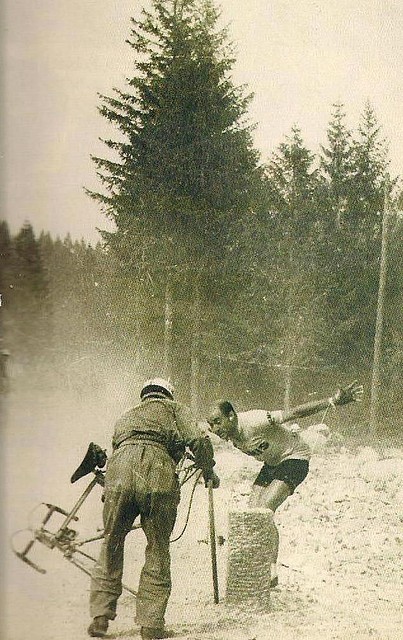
(287,386)
(168,327)
(195,364)
(290,340)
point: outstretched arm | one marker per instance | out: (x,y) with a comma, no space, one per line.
(352,393)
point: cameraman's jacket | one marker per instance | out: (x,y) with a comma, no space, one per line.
(169,424)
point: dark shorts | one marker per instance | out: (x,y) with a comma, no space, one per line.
(292,472)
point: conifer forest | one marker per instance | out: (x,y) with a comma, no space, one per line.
(234,275)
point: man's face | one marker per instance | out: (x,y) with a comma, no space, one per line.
(220,424)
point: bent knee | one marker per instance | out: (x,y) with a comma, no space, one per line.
(274,495)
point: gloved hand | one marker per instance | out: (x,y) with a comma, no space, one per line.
(215,480)
(203,453)
(352,393)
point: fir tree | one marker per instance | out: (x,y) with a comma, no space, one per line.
(282,296)
(336,168)
(292,184)
(6,252)
(351,251)
(186,169)
(187,164)
(29,298)
(368,175)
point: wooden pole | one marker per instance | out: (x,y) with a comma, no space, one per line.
(213,546)
(287,387)
(376,369)
(194,376)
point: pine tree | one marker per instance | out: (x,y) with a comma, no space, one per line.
(369,175)
(6,252)
(187,163)
(282,297)
(351,251)
(186,168)
(336,168)
(292,184)
(28,299)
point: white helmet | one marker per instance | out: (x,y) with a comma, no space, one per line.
(157,387)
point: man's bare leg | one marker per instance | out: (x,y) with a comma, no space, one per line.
(270,498)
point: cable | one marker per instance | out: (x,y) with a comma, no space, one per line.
(326,410)
(189,507)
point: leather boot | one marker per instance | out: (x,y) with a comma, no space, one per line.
(98,627)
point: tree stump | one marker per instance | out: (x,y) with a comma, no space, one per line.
(250,554)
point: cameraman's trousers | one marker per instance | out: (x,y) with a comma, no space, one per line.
(140,480)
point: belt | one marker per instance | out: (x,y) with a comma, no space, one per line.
(149,437)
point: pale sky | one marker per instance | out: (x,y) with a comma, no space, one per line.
(297,56)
